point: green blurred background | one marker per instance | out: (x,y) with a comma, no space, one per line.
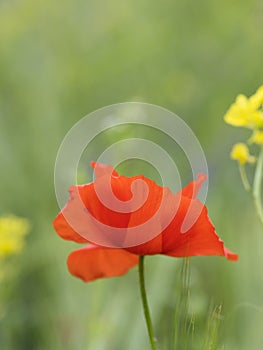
(58,62)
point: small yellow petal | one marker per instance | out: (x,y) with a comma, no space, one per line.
(257,99)
(241,100)
(257,137)
(240,153)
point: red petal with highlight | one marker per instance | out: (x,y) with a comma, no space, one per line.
(200,239)
(65,231)
(92,262)
(192,189)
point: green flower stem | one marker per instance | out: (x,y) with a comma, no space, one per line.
(244,178)
(145,304)
(257,186)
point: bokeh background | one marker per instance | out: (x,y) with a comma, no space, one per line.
(58,62)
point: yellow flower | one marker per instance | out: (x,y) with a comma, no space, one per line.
(257,137)
(12,232)
(257,99)
(240,153)
(245,111)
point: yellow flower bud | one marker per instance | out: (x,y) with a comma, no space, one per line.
(257,137)
(240,153)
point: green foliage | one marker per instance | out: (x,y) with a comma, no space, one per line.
(58,62)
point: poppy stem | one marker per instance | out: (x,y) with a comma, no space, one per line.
(145,304)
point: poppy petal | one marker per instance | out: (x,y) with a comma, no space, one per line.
(93,262)
(230,256)
(65,231)
(102,169)
(192,189)
(157,212)
(200,239)
(83,213)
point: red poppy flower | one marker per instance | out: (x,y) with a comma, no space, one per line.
(91,210)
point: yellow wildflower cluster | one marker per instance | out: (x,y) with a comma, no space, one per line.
(12,233)
(247,112)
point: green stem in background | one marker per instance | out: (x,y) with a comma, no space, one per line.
(257,186)
(145,304)
(244,178)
